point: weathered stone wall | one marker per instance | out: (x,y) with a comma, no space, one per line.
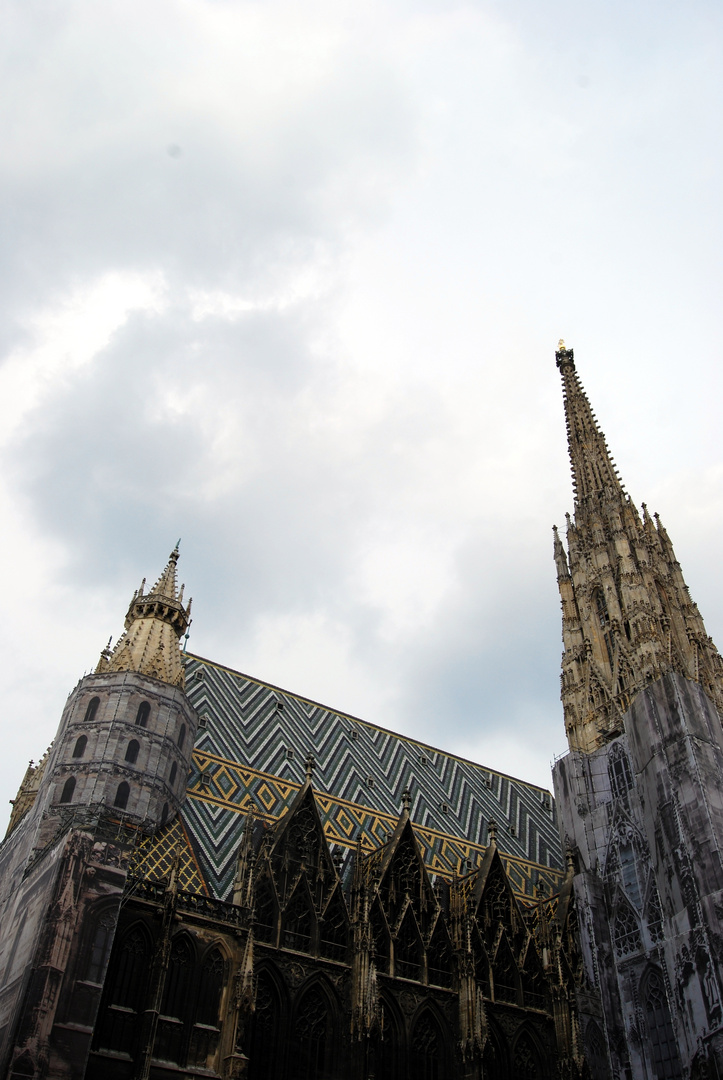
(644,817)
(156,778)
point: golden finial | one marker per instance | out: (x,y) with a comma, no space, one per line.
(561,345)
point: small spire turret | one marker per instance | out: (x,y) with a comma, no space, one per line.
(154,624)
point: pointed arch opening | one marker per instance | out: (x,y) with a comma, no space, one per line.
(205,1032)
(440,963)
(527,1061)
(619,773)
(626,932)
(427,1046)
(334,928)
(91,710)
(169,1044)
(298,921)
(80,744)
(389,1048)
(68,791)
(144,711)
(265,912)
(314,1036)
(266,1040)
(533,979)
(132,751)
(658,1018)
(505,974)
(121,795)
(181,736)
(173,773)
(495,1056)
(595,1053)
(408,948)
(124,994)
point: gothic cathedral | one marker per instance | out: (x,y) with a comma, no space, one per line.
(207,875)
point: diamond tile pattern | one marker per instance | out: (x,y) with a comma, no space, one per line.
(251,748)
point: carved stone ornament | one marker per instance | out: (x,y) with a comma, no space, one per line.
(408,1002)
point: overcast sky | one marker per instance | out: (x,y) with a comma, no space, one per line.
(286,280)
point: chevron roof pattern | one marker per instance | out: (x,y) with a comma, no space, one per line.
(250,750)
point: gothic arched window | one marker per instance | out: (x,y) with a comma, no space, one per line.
(68,789)
(144,710)
(123,996)
(164,813)
(121,795)
(132,751)
(265,912)
(626,932)
(100,946)
(526,1063)
(80,744)
(298,922)
(313,1035)
(91,710)
(619,773)
(172,777)
(654,916)
(265,1043)
(427,1059)
(209,989)
(181,736)
(407,949)
(662,1042)
(595,1053)
(170,1040)
(387,1050)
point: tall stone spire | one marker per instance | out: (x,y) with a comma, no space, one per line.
(594,475)
(627,615)
(154,625)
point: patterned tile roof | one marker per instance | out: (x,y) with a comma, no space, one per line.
(251,748)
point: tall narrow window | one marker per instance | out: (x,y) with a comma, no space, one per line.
(209,990)
(121,795)
(132,751)
(662,1042)
(100,947)
(619,773)
(526,1060)
(68,789)
(298,922)
(124,991)
(313,1035)
(626,932)
(265,1046)
(427,1061)
(91,710)
(144,710)
(80,745)
(172,777)
(603,619)
(164,813)
(181,736)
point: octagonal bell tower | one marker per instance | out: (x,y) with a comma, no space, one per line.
(127,731)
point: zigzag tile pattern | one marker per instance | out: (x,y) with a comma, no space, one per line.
(252,745)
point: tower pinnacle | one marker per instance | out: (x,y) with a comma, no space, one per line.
(154,625)
(627,616)
(593,470)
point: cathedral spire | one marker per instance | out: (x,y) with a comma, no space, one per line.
(154,624)
(627,615)
(593,470)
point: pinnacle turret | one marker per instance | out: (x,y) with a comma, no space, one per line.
(154,624)
(594,474)
(626,611)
